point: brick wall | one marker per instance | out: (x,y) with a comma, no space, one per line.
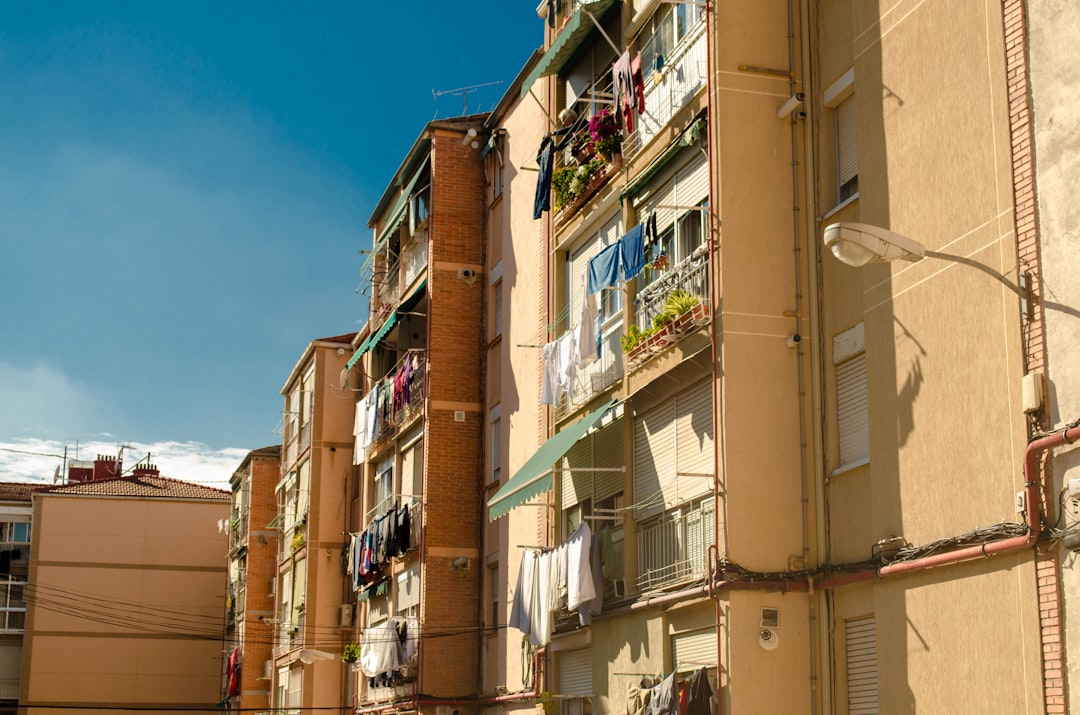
(1021,135)
(449,605)
(261,567)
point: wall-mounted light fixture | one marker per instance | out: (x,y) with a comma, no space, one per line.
(858,244)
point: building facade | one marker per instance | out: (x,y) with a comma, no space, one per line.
(106,624)
(316,462)
(249,598)
(16,507)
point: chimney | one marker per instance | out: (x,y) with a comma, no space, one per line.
(105,468)
(146,470)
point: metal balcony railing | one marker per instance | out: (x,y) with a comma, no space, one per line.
(691,275)
(305,436)
(670,90)
(671,549)
(9,689)
(414,257)
(597,377)
(405,386)
(387,284)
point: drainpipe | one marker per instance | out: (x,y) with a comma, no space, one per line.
(712,554)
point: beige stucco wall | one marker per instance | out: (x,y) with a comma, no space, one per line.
(943,355)
(121,587)
(516,244)
(1055,81)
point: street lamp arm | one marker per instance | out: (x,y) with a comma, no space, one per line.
(1024,294)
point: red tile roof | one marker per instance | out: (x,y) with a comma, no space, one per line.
(19,491)
(145,486)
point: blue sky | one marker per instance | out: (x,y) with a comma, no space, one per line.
(184,189)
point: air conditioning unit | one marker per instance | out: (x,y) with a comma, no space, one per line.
(268,670)
(273,586)
(345,615)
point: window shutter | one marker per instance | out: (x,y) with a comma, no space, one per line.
(847,157)
(608,454)
(694,649)
(654,459)
(576,480)
(694,439)
(408,589)
(853,417)
(692,183)
(862,678)
(575,672)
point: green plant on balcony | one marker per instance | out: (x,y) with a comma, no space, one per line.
(297,541)
(571,182)
(351,654)
(605,134)
(679,301)
(634,336)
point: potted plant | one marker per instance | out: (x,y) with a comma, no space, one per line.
(605,134)
(297,541)
(351,654)
(560,181)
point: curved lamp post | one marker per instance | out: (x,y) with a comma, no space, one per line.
(858,244)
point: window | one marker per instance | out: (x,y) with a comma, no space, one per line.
(497,303)
(840,98)
(496,444)
(16,533)
(384,485)
(852,404)
(408,593)
(493,586)
(12,606)
(418,208)
(847,159)
(662,33)
(862,683)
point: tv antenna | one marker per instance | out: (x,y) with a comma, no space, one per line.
(462,92)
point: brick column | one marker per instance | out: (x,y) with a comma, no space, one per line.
(1022,141)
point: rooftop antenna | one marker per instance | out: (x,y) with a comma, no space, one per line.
(462,92)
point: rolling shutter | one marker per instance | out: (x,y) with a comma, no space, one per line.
(694,439)
(575,672)
(853,417)
(654,460)
(408,589)
(847,156)
(684,188)
(608,454)
(862,678)
(576,479)
(694,649)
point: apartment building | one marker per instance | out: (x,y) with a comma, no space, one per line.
(106,623)
(16,510)
(316,463)
(249,597)
(420,420)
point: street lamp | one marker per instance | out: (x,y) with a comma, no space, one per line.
(858,244)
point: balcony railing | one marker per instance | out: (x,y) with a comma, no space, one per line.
(691,275)
(305,436)
(239,531)
(597,377)
(405,386)
(387,284)
(671,549)
(414,256)
(672,89)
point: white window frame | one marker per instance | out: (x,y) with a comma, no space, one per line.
(664,21)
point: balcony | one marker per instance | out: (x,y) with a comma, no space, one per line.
(669,90)
(387,280)
(414,256)
(671,549)
(691,276)
(405,386)
(305,436)
(593,379)
(9,689)
(238,532)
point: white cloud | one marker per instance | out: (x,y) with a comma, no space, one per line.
(36,460)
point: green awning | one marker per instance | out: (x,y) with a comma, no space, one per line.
(534,476)
(567,42)
(371,340)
